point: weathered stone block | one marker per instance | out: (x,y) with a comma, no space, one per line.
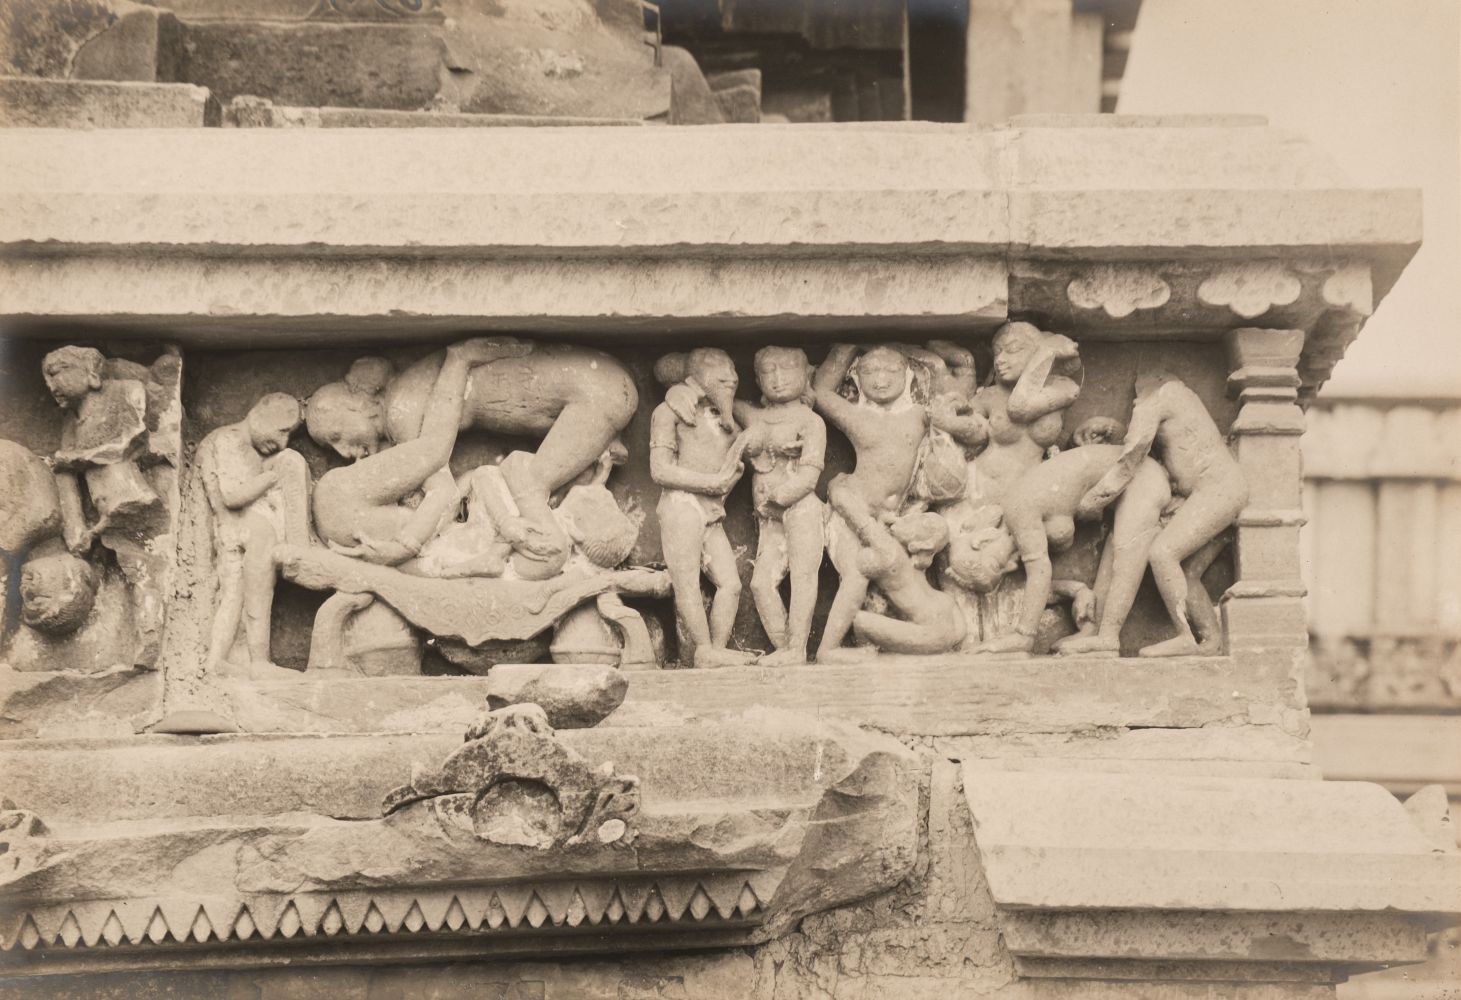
(80,104)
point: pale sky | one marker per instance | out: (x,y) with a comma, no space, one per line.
(1377,85)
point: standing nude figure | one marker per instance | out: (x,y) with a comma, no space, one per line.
(694,454)
(257,488)
(886,427)
(359,507)
(1206,477)
(786,443)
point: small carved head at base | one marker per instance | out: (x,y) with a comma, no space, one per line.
(601,530)
(56,593)
(981,549)
(1098,430)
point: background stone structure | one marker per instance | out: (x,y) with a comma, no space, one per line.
(982,790)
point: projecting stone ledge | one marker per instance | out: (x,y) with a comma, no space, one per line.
(28,102)
(259,236)
(313,849)
(1133,876)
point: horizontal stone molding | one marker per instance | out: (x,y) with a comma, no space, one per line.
(722,901)
(209,235)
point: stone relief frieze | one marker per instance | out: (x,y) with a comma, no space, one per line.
(889,499)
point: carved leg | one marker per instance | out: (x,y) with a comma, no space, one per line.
(720,566)
(229,567)
(638,651)
(892,635)
(1200,610)
(258,575)
(682,536)
(1195,524)
(766,576)
(1135,523)
(327,638)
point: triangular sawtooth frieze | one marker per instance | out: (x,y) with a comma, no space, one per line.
(688,900)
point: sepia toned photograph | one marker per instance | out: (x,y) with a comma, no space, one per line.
(730,499)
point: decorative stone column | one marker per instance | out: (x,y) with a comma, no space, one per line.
(1269,588)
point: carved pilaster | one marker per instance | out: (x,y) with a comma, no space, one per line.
(1263,373)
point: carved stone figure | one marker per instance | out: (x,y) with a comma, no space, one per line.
(695,456)
(576,399)
(359,508)
(886,427)
(896,557)
(1210,482)
(30,520)
(104,434)
(515,783)
(257,488)
(1038,515)
(786,444)
(1025,407)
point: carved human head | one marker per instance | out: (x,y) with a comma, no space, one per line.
(981,549)
(924,535)
(57,592)
(882,374)
(783,375)
(595,522)
(1098,430)
(708,368)
(71,373)
(271,420)
(1014,344)
(349,416)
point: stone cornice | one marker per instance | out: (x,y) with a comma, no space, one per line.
(290,235)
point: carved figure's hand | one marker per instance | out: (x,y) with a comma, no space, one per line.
(683,401)
(1083,607)
(1093,504)
(729,474)
(1062,346)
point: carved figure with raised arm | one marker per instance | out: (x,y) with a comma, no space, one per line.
(1204,474)
(886,427)
(786,444)
(103,435)
(1025,406)
(695,456)
(258,491)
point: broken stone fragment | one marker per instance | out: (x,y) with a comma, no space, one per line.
(574,695)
